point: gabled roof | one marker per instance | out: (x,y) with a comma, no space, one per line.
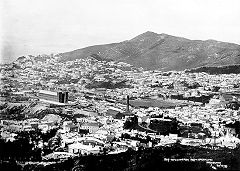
(52,118)
(92,124)
(112,112)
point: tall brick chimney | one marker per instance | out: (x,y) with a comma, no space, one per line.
(127,110)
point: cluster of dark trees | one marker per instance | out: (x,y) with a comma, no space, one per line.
(24,147)
(149,159)
(235,69)
(184,83)
(143,140)
(131,123)
(203,99)
(20,149)
(165,127)
(236,126)
(233,105)
(162,127)
(192,131)
(191,86)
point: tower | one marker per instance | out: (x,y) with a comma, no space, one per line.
(66,97)
(127,109)
(60,97)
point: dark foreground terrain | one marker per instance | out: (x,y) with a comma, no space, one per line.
(174,157)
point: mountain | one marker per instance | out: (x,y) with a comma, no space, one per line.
(164,52)
(96,50)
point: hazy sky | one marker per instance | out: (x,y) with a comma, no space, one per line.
(54,26)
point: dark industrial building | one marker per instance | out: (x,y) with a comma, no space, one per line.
(61,97)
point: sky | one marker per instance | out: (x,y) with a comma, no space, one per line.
(32,27)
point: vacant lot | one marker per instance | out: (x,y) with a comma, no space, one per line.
(157,103)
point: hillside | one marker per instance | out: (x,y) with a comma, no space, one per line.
(96,50)
(164,52)
(229,69)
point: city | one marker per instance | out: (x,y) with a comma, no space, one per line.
(56,111)
(129,85)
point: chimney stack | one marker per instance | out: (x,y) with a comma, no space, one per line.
(127,103)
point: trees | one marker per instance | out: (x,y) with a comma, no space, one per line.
(215,88)
(131,123)
(233,105)
(25,147)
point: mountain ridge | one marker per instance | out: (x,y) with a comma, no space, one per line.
(163,52)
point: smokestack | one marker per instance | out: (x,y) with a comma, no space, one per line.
(66,97)
(60,97)
(127,103)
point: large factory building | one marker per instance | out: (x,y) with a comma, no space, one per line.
(60,97)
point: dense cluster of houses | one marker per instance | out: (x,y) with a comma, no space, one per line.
(99,114)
